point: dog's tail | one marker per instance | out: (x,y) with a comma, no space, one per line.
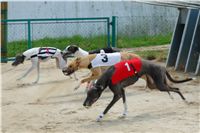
(177,81)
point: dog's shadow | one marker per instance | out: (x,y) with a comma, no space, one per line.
(143,117)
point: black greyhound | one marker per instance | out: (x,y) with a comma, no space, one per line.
(126,73)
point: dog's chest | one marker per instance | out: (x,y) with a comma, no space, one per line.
(126,69)
(106,59)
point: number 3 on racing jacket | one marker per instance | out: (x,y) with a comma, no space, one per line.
(106,59)
(126,69)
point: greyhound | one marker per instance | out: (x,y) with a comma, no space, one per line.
(126,73)
(38,54)
(97,64)
(73,49)
(79,52)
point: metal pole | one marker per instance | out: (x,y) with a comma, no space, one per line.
(108,32)
(113,31)
(29,35)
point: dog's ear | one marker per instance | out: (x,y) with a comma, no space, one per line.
(75,48)
(72,48)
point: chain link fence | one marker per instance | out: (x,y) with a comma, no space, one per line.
(17,38)
(90,34)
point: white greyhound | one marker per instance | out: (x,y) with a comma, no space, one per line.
(38,54)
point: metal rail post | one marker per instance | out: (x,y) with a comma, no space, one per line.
(113,31)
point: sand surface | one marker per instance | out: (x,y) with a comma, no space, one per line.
(53,106)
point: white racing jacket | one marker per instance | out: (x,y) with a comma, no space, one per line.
(45,52)
(106,59)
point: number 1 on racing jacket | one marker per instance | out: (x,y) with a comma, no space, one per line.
(126,69)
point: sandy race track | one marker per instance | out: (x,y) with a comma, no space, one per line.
(53,106)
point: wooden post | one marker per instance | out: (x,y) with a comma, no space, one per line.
(4,6)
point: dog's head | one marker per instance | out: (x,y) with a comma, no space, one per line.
(18,60)
(92,96)
(71,49)
(72,67)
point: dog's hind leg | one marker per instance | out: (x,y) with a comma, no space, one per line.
(163,87)
(27,72)
(177,91)
(114,100)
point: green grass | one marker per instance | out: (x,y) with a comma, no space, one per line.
(126,42)
(89,43)
(85,43)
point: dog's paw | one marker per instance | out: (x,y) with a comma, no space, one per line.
(18,79)
(124,114)
(76,88)
(35,82)
(99,118)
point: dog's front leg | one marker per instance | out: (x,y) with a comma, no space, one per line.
(114,100)
(124,103)
(82,81)
(75,76)
(79,84)
(92,77)
(38,73)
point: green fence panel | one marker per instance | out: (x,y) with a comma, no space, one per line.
(59,32)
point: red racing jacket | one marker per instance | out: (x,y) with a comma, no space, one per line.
(125,69)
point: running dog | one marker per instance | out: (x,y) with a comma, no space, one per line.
(79,52)
(38,54)
(74,50)
(126,73)
(98,63)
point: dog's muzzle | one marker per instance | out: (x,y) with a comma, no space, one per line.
(86,105)
(67,72)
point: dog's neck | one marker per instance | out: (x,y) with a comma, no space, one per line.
(85,61)
(100,89)
(80,53)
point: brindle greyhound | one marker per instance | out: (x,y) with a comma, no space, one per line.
(132,71)
(85,62)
